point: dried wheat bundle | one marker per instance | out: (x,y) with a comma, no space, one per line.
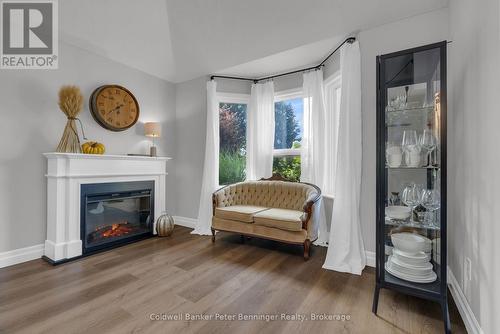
(71,103)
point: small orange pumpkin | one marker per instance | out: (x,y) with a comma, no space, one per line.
(93,147)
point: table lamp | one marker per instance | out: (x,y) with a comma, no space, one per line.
(152,129)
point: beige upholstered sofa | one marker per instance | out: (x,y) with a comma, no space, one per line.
(272,208)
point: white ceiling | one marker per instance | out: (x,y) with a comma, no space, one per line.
(178,40)
(133,32)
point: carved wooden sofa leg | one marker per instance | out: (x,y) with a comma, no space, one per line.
(307,249)
(213,235)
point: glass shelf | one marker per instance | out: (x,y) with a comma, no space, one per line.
(403,118)
(417,109)
(401,125)
(405,167)
(433,287)
(403,223)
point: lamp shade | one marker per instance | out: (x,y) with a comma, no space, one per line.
(152,129)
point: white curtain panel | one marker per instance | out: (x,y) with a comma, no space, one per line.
(211,166)
(313,138)
(346,251)
(314,146)
(260,131)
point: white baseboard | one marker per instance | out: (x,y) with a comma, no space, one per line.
(370,259)
(20,255)
(185,221)
(470,321)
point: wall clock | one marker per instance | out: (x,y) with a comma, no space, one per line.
(114,107)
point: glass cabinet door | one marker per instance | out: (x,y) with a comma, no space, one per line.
(411,154)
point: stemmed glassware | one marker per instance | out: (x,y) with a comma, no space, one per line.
(411,148)
(412,197)
(431,200)
(409,139)
(428,142)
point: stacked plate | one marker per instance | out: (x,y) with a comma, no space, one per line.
(410,259)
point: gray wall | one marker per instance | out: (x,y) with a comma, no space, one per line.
(473,178)
(33,124)
(332,65)
(191,106)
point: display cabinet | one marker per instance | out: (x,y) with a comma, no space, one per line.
(411,174)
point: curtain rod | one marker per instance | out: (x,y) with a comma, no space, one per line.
(349,40)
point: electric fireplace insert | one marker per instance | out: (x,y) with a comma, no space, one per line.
(114,214)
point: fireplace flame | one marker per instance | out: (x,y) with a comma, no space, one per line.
(116,230)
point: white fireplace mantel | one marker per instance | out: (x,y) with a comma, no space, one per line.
(66,172)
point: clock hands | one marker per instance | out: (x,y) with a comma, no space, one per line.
(117,108)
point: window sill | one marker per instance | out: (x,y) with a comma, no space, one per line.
(286,152)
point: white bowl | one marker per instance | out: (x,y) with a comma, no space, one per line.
(410,242)
(398,212)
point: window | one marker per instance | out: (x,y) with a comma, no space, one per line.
(289,128)
(288,113)
(232,138)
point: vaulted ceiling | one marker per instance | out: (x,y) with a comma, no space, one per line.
(178,40)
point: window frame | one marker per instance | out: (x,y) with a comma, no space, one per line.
(223,97)
(333,82)
(283,95)
(233,98)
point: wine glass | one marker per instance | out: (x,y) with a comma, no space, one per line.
(431,200)
(412,197)
(411,148)
(409,139)
(428,142)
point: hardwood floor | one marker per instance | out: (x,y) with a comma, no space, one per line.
(117,291)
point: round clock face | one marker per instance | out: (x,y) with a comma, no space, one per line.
(114,107)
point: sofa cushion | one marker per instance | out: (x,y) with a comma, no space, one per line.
(296,237)
(242,213)
(282,219)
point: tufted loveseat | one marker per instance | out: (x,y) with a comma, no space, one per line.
(272,208)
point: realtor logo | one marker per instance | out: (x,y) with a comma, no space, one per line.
(29,38)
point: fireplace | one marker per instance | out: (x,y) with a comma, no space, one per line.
(116,213)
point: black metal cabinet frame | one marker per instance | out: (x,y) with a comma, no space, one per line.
(436,292)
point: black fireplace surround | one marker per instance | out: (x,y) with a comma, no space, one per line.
(113,214)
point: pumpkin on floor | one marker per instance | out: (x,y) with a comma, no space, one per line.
(93,147)
(165,225)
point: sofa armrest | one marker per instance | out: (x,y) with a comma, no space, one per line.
(308,209)
(313,227)
(311,212)
(310,201)
(216,198)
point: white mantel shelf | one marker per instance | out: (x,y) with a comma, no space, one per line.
(77,165)
(66,172)
(57,155)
